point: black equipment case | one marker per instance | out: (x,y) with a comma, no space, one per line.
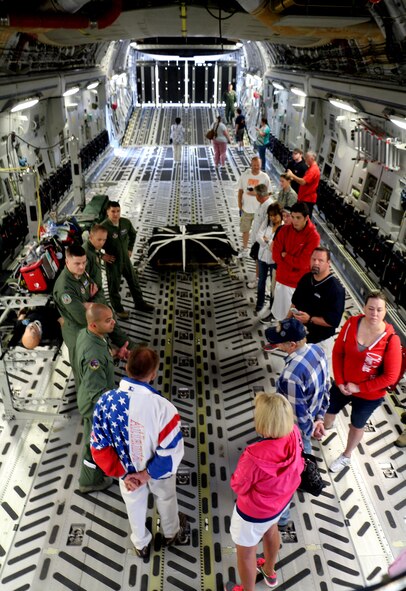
(189,246)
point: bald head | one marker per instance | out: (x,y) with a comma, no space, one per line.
(32,335)
(95,312)
(100,319)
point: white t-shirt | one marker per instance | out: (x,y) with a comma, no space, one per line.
(177,133)
(246,180)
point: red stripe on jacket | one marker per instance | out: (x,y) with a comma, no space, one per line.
(168,428)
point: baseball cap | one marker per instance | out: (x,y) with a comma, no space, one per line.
(287,330)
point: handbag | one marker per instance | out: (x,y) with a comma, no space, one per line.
(254,251)
(211,134)
(312,481)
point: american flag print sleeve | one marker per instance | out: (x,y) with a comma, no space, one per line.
(135,428)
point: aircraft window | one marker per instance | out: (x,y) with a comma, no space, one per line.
(370,186)
(41,170)
(9,189)
(312,107)
(332,151)
(62,145)
(2,193)
(385,193)
(327,170)
(332,122)
(336,174)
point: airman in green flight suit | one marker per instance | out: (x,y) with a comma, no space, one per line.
(119,245)
(74,291)
(95,375)
(96,241)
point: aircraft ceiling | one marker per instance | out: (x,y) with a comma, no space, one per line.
(355,37)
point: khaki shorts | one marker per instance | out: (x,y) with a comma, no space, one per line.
(246,220)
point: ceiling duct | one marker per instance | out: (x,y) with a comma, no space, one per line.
(63,5)
(45,21)
(271,14)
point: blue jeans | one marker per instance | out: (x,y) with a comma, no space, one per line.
(263,270)
(285,516)
(262,155)
(307,445)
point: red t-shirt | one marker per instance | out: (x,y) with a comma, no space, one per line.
(308,192)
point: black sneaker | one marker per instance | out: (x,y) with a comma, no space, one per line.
(182,536)
(144,307)
(268,319)
(144,553)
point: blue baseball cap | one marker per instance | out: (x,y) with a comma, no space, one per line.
(287,330)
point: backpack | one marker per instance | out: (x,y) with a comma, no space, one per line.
(402,365)
(312,481)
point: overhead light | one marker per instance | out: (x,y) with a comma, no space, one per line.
(92,85)
(238,45)
(298,91)
(399,121)
(71,91)
(133,45)
(342,105)
(298,105)
(278,85)
(27,104)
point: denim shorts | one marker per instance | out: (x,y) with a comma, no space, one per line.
(361,408)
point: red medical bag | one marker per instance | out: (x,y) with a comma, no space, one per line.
(40,276)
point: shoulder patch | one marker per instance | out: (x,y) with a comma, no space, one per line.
(66,299)
(94,364)
(115,235)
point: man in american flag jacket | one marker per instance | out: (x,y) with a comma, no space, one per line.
(137,438)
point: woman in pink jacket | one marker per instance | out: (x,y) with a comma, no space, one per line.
(267,475)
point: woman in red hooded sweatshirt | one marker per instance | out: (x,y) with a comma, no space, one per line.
(366,361)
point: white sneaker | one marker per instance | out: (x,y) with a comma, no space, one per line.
(243,254)
(252,284)
(264,311)
(340,463)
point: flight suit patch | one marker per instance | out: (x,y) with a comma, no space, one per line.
(82,290)
(94,364)
(115,235)
(66,299)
